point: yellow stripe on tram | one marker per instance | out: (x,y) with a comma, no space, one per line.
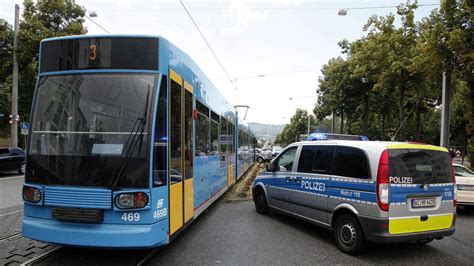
(416,146)
(189,199)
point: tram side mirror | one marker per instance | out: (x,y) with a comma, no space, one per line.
(271,167)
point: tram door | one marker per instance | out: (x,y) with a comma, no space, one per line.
(229,152)
(181,152)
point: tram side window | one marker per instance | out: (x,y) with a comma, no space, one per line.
(242,151)
(159,153)
(202,130)
(223,140)
(231,140)
(214,134)
(188,129)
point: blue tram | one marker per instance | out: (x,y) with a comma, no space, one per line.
(129,143)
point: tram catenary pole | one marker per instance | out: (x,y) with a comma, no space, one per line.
(14,117)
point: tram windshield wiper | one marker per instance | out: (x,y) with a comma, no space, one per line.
(130,144)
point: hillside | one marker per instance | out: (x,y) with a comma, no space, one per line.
(265,130)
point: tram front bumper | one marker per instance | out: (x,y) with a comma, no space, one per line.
(96,235)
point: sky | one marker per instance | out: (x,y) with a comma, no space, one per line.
(272,50)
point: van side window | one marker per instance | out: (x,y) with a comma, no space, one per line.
(316,159)
(284,163)
(350,162)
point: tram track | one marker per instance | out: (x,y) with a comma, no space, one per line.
(80,256)
(10,237)
(41,257)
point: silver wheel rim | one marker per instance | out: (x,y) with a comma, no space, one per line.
(347,234)
(22,168)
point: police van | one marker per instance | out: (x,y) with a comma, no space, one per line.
(383,192)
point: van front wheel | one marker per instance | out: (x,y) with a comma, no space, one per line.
(261,202)
(349,235)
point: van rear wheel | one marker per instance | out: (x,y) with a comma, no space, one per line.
(349,235)
(261,202)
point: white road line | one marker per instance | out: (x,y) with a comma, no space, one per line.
(5,214)
(13,177)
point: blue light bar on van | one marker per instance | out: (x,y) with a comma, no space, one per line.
(330,136)
(318,136)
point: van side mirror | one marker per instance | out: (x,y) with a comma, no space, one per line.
(271,167)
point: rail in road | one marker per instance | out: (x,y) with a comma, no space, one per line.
(78,256)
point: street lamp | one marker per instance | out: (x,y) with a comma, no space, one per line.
(342,12)
(93,14)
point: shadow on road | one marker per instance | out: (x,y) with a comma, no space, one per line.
(8,174)
(377,253)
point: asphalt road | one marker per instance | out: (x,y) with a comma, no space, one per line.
(234,234)
(10,190)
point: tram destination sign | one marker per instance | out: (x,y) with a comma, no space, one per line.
(136,53)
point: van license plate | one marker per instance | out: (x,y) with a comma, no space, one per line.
(423,203)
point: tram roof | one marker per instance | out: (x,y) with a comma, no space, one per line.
(84,36)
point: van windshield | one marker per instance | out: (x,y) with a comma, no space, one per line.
(419,166)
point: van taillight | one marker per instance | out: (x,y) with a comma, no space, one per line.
(382,182)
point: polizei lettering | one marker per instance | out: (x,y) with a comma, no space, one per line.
(401,180)
(317,186)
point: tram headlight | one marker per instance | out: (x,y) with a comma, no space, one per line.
(31,194)
(134,200)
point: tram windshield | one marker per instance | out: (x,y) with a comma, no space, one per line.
(91,130)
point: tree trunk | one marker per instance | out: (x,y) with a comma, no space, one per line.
(365,129)
(401,132)
(418,122)
(342,121)
(471,90)
(383,126)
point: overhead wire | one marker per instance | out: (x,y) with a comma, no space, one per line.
(97,24)
(208,45)
(278,73)
(276,8)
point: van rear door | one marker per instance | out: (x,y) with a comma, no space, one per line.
(421,189)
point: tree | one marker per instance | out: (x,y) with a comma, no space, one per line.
(446,45)
(6,64)
(298,125)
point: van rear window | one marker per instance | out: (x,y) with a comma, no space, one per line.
(417,166)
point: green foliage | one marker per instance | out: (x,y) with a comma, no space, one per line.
(389,84)
(298,125)
(42,19)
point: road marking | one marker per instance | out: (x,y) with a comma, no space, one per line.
(13,177)
(5,214)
